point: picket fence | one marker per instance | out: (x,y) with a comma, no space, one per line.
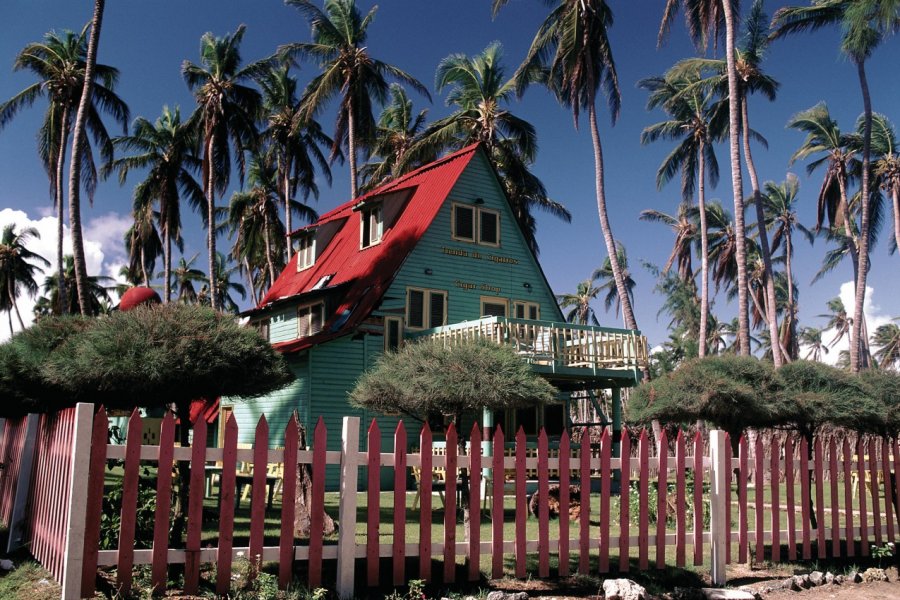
(849,488)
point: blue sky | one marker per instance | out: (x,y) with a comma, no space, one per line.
(148,41)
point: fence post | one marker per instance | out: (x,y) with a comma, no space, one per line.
(23,485)
(718,496)
(78,492)
(346,561)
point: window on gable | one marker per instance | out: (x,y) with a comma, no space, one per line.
(310,319)
(527,310)
(306,253)
(372,226)
(463,223)
(488,227)
(493,307)
(393,333)
(425,308)
(475,224)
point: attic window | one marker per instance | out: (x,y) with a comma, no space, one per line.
(371,226)
(463,223)
(475,224)
(310,319)
(322,282)
(306,253)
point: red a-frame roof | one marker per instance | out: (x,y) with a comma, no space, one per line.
(364,275)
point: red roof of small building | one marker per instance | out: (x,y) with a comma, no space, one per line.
(367,273)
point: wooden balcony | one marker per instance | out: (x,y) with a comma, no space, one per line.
(562,349)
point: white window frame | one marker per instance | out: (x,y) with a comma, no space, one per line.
(387,337)
(426,308)
(494,300)
(453,234)
(373,218)
(312,306)
(525,308)
(481,212)
(306,253)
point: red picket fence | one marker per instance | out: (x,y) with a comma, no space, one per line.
(11,446)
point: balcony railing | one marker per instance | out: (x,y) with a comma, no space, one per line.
(555,345)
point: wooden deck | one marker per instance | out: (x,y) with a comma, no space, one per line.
(561,348)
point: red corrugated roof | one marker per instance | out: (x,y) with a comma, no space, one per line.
(366,274)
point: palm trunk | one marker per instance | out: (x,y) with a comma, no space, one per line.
(856,337)
(11,288)
(211,220)
(351,149)
(737,183)
(60,209)
(250,282)
(853,241)
(144,277)
(704,253)
(9,317)
(777,357)
(78,139)
(792,308)
(288,217)
(624,300)
(268,243)
(167,264)
(895,196)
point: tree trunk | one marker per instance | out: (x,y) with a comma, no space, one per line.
(858,316)
(268,242)
(704,253)
(737,182)
(288,217)
(211,220)
(15,304)
(78,138)
(60,211)
(895,196)
(167,263)
(771,306)
(250,282)
(792,308)
(302,514)
(351,149)
(624,300)
(144,277)
(176,533)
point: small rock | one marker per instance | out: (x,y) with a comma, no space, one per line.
(6,564)
(44,581)
(817,578)
(854,577)
(470,598)
(839,579)
(722,594)
(623,589)
(829,577)
(687,593)
(873,574)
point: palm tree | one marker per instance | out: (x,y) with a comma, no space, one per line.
(885,164)
(224,285)
(479,93)
(168,150)
(864,24)
(811,337)
(98,288)
(685,229)
(705,19)
(184,276)
(17,268)
(887,339)
(339,37)
(606,277)
(696,123)
(722,247)
(579,304)
(143,244)
(573,45)
(296,140)
(227,109)
(59,63)
(399,141)
(838,320)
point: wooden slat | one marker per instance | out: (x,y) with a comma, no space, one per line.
(317,514)
(521,505)
(820,497)
(450,508)
(680,503)
(399,534)
(605,493)
(790,504)
(662,489)
(848,501)
(861,492)
(162,516)
(425,443)
(896,448)
(475,503)
(873,488)
(129,503)
(698,499)
(565,473)
(543,507)
(498,481)
(624,525)
(288,502)
(729,475)
(774,477)
(258,490)
(744,514)
(888,493)
(584,535)
(759,483)
(373,503)
(835,507)
(643,500)
(195,508)
(226,506)
(94,501)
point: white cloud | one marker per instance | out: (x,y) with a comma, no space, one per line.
(103,247)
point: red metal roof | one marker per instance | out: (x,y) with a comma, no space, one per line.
(367,273)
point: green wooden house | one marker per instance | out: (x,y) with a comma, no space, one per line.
(437,252)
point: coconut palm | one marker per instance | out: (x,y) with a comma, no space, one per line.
(224,285)
(696,122)
(399,143)
(184,277)
(885,168)
(573,46)
(606,278)
(226,113)
(296,140)
(887,339)
(722,246)
(143,244)
(98,288)
(347,70)
(59,64)
(864,25)
(684,227)
(579,303)
(838,321)
(18,268)
(811,338)
(167,148)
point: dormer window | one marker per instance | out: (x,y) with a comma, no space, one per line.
(310,319)
(306,253)
(475,225)
(371,226)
